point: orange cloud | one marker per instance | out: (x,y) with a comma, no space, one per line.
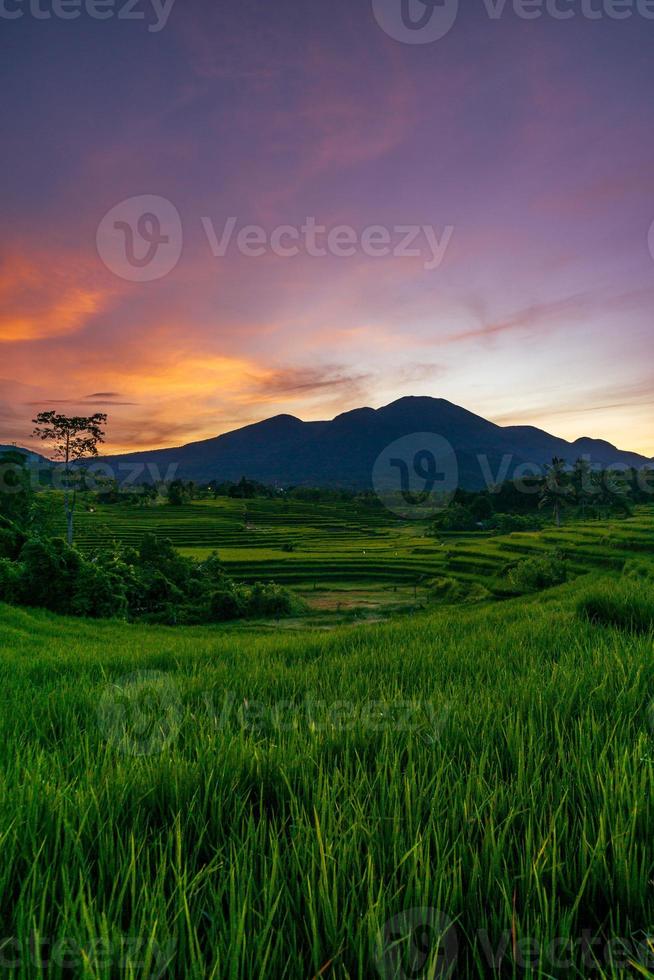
(46,299)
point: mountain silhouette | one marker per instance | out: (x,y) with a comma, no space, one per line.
(286,451)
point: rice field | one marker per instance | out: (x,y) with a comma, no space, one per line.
(467,791)
(338,548)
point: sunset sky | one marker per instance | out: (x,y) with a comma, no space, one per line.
(532,139)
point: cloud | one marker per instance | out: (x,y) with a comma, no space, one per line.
(45,297)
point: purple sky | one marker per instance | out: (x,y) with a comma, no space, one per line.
(526,147)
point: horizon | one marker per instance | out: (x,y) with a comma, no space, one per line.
(34,445)
(523,171)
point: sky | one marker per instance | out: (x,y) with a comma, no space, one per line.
(484,186)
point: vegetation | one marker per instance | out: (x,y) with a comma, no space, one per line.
(470,786)
(226,802)
(627,604)
(537,573)
(73,439)
(153,582)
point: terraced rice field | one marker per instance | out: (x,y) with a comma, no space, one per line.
(338,547)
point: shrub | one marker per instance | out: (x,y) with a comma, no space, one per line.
(507,523)
(49,569)
(627,604)
(638,570)
(537,573)
(11,542)
(10,574)
(155,584)
(268,600)
(457,518)
(226,603)
(97,594)
(452,591)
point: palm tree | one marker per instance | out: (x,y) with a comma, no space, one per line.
(582,483)
(555,489)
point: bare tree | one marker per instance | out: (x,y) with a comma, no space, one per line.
(73,439)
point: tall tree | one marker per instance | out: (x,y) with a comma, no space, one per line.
(582,483)
(555,489)
(74,438)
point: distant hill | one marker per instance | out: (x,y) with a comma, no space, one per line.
(286,451)
(32,457)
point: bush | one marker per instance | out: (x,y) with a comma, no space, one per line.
(457,518)
(537,573)
(638,570)
(96,595)
(626,604)
(10,574)
(226,603)
(11,542)
(452,592)
(268,600)
(49,570)
(507,523)
(155,584)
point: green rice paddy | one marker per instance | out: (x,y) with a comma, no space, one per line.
(466,791)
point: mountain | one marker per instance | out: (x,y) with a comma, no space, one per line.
(34,458)
(286,451)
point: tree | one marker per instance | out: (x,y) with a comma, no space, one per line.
(555,489)
(16,497)
(74,439)
(582,483)
(178,493)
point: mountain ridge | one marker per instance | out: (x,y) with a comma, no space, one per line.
(285,450)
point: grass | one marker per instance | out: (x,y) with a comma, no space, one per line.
(628,604)
(289,800)
(240,802)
